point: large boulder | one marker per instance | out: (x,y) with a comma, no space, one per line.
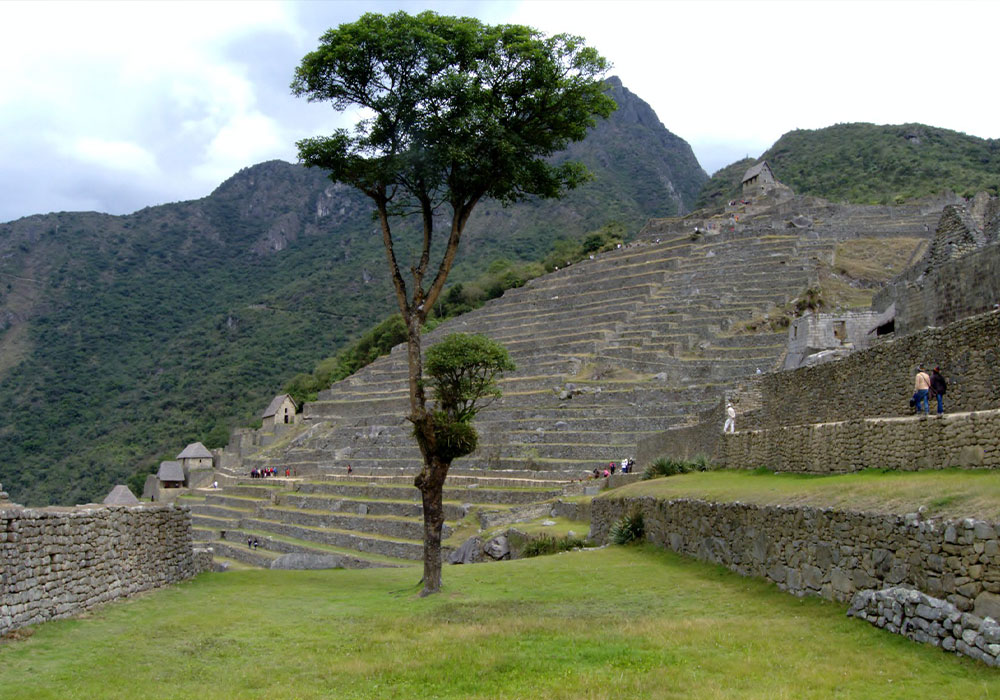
(469,553)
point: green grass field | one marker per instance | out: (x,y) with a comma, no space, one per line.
(632,622)
(948,493)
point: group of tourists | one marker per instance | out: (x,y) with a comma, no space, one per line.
(265,472)
(927,387)
(626,468)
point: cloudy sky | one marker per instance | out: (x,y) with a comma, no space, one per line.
(121,105)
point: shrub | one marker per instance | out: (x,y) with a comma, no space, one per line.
(547,544)
(630,528)
(665,466)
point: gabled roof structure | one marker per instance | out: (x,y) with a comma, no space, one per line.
(272,408)
(121,495)
(195,451)
(756,170)
(170,471)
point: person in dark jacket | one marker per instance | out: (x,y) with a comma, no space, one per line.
(938,387)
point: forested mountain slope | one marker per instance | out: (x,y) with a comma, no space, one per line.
(122,338)
(872,164)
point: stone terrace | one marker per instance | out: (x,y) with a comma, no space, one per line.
(608,351)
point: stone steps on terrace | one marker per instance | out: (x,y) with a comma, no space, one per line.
(392,526)
(336,504)
(273,543)
(361,544)
(482,496)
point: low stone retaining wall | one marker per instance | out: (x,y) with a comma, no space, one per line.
(824,552)
(58,563)
(930,621)
(954,440)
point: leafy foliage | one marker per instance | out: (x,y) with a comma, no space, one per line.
(547,544)
(871,164)
(462,370)
(665,466)
(630,528)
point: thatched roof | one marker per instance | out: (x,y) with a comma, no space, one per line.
(195,451)
(121,495)
(756,170)
(272,408)
(170,471)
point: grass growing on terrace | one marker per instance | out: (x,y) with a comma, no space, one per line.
(948,493)
(632,622)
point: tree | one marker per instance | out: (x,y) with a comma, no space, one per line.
(454,111)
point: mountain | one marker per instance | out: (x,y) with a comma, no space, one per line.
(872,164)
(123,338)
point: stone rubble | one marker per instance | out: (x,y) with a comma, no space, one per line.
(922,618)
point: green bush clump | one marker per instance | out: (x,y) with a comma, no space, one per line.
(630,528)
(665,466)
(547,544)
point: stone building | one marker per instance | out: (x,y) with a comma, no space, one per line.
(171,475)
(195,456)
(281,411)
(758,180)
(816,338)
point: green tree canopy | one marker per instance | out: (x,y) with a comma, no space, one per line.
(453,111)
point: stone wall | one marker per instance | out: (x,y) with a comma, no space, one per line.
(956,289)
(954,440)
(59,562)
(929,620)
(878,382)
(824,552)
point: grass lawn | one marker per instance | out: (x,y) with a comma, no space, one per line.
(948,493)
(633,622)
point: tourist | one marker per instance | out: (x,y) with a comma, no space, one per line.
(730,424)
(349,470)
(938,387)
(921,386)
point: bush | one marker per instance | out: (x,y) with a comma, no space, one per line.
(630,528)
(547,544)
(665,466)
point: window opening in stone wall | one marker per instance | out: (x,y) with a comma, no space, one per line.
(840,330)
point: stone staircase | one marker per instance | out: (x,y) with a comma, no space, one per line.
(365,520)
(608,351)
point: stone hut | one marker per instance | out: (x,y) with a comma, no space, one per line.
(281,411)
(195,456)
(121,495)
(170,475)
(758,180)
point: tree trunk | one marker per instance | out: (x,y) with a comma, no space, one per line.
(432,493)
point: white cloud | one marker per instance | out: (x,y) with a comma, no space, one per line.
(177,96)
(118,155)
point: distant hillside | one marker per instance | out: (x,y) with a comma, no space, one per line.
(871,164)
(122,338)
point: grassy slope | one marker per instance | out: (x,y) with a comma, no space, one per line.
(612,623)
(949,493)
(871,164)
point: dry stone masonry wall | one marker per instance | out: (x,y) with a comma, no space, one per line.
(929,620)
(970,440)
(824,552)
(58,563)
